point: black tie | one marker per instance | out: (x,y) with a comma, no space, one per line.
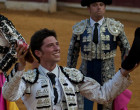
(52,78)
(95,35)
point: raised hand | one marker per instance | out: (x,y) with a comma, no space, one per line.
(22,49)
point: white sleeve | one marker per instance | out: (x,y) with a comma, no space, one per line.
(14,88)
(93,91)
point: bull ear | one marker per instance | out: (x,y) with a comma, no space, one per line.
(133,57)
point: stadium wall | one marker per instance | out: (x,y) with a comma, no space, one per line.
(50,5)
(117,5)
(44,5)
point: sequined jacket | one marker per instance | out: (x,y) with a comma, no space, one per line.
(4,46)
(34,88)
(111,34)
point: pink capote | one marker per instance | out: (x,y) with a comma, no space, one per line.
(121,101)
(2,100)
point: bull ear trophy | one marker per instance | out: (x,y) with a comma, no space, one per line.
(12,36)
(133,57)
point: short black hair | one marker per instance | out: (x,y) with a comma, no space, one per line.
(37,39)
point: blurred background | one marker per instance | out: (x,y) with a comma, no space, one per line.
(29,16)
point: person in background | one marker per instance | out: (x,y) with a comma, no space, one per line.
(9,37)
(53,87)
(4,48)
(97,37)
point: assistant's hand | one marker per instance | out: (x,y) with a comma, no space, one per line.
(125,72)
(22,49)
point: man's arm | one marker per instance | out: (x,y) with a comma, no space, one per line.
(73,52)
(14,87)
(124,45)
(92,90)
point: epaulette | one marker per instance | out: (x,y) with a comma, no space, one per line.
(79,27)
(31,76)
(114,27)
(74,75)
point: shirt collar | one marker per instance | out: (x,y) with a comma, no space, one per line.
(44,70)
(92,22)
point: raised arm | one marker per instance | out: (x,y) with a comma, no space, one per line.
(92,90)
(14,86)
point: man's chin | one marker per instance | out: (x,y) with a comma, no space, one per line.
(57,60)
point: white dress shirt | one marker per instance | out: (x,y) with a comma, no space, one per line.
(56,71)
(92,22)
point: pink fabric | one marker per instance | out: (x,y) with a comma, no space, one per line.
(2,101)
(121,101)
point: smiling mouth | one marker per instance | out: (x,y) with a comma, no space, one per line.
(57,54)
(98,11)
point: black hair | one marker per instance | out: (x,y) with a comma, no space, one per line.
(37,39)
